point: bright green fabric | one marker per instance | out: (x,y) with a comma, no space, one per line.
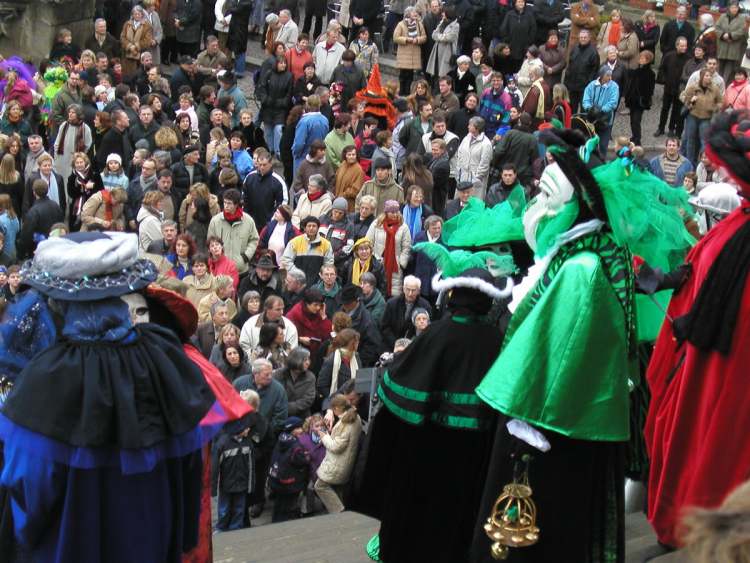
(565,364)
(373,548)
(478,226)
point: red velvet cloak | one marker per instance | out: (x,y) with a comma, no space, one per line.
(698,426)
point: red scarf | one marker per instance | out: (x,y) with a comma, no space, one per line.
(232,217)
(107,199)
(614,33)
(316,196)
(740,84)
(390,263)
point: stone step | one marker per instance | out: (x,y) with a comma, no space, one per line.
(341,538)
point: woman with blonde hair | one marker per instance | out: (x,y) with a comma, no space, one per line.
(197,191)
(648,31)
(9,227)
(83,183)
(166,139)
(391,242)
(561,104)
(11,182)
(609,34)
(341,452)
(106,209)
(149,220)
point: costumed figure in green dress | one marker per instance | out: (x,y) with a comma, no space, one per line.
(428,446)
(569,359)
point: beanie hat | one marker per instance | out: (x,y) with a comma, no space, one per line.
(341,204)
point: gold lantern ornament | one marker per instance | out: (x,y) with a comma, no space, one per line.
(512,522)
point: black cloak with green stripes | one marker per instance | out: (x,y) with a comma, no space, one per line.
(429,445)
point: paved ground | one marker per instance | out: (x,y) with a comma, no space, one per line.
(340,538)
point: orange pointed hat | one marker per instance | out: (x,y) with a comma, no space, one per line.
(376,98)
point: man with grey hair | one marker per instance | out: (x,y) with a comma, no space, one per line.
(474,157)
(538,99)
(288,32)
(582,66)
(396,322)
(274,408)
(102,41)
(296,281)
(207,333)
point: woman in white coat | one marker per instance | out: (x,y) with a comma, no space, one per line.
(316,201)
(391,242)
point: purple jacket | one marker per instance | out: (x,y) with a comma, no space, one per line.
(317,451)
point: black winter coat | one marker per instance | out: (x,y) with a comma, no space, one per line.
(423,267)
(237,38)
(395,325)
(670,71)
(39,220)
(494,14)
(274,94)
(368,10)
(28,193)
(353,80)
(114,142)
(670,33)
(582,67)
(462,86)
(458,121)
(547,17)
(190,13)
(376,269)
(641,83)
(181,179)
(519,31)
(650,38)
(370,342)
(360,227)
(300,88)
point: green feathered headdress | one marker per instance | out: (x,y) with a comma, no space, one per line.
(472,270)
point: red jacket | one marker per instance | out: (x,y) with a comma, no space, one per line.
(224,266)
(310,325)
(297,61)
(697,426)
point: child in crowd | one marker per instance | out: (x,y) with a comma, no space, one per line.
(689,182)
(233,477)
(114,176)
(218,141)
(289,471)
(186,107)
(311,441)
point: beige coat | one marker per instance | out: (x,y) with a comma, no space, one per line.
(341,449)
(197,290)
(376,233)
(205,304)
(409,56)
(316,208)
(94,211)
(186,212)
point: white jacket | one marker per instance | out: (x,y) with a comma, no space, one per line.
(149,229)
(473,161)
(220,17)
(427,144)
(288,34)
(327,60)
(250,333)
(341,449)
(316,208)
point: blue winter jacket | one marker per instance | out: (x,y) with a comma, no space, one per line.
(603,97)
(312,127)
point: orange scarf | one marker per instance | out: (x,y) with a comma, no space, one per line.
(615,30)
(108,208)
